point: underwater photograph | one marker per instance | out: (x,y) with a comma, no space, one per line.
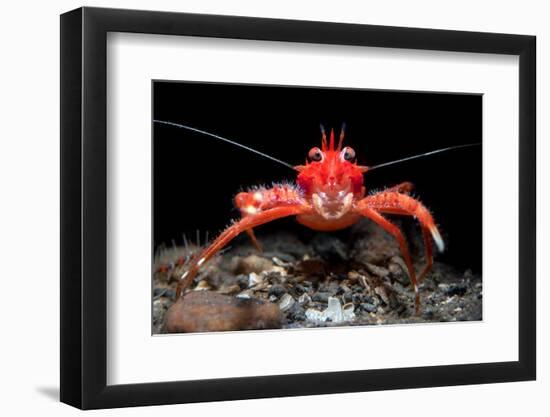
(291,207)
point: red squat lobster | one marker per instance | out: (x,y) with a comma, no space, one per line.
(329,195)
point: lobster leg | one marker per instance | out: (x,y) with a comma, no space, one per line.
(255,242)
(365,210)
(396,203)
(245,224)
(428,251)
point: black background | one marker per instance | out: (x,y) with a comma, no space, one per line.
(196,177)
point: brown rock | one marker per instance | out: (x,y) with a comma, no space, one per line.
(312,267)
(377,270)
(206,311)
(251,263)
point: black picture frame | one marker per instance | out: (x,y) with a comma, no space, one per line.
(84,207)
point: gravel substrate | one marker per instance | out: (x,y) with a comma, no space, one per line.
(326,281)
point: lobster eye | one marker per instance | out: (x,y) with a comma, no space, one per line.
(315,154)
(348,154)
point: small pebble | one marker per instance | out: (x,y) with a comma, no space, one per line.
(229,289)
(286,302)
(254,279)
(275,271)
(377,270)
(353,276)
(279,262)
(357,298)
(369,308)
(348,297)
(300,289)
(242,281)
(202,286)
(304,299)
(244,294)
(277,290)
(456,289)
(296,312)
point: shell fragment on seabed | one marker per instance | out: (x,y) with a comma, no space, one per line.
(334,312)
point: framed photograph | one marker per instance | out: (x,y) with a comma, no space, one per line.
(280,208)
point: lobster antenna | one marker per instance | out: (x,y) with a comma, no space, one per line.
(385,164)
(224,140)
